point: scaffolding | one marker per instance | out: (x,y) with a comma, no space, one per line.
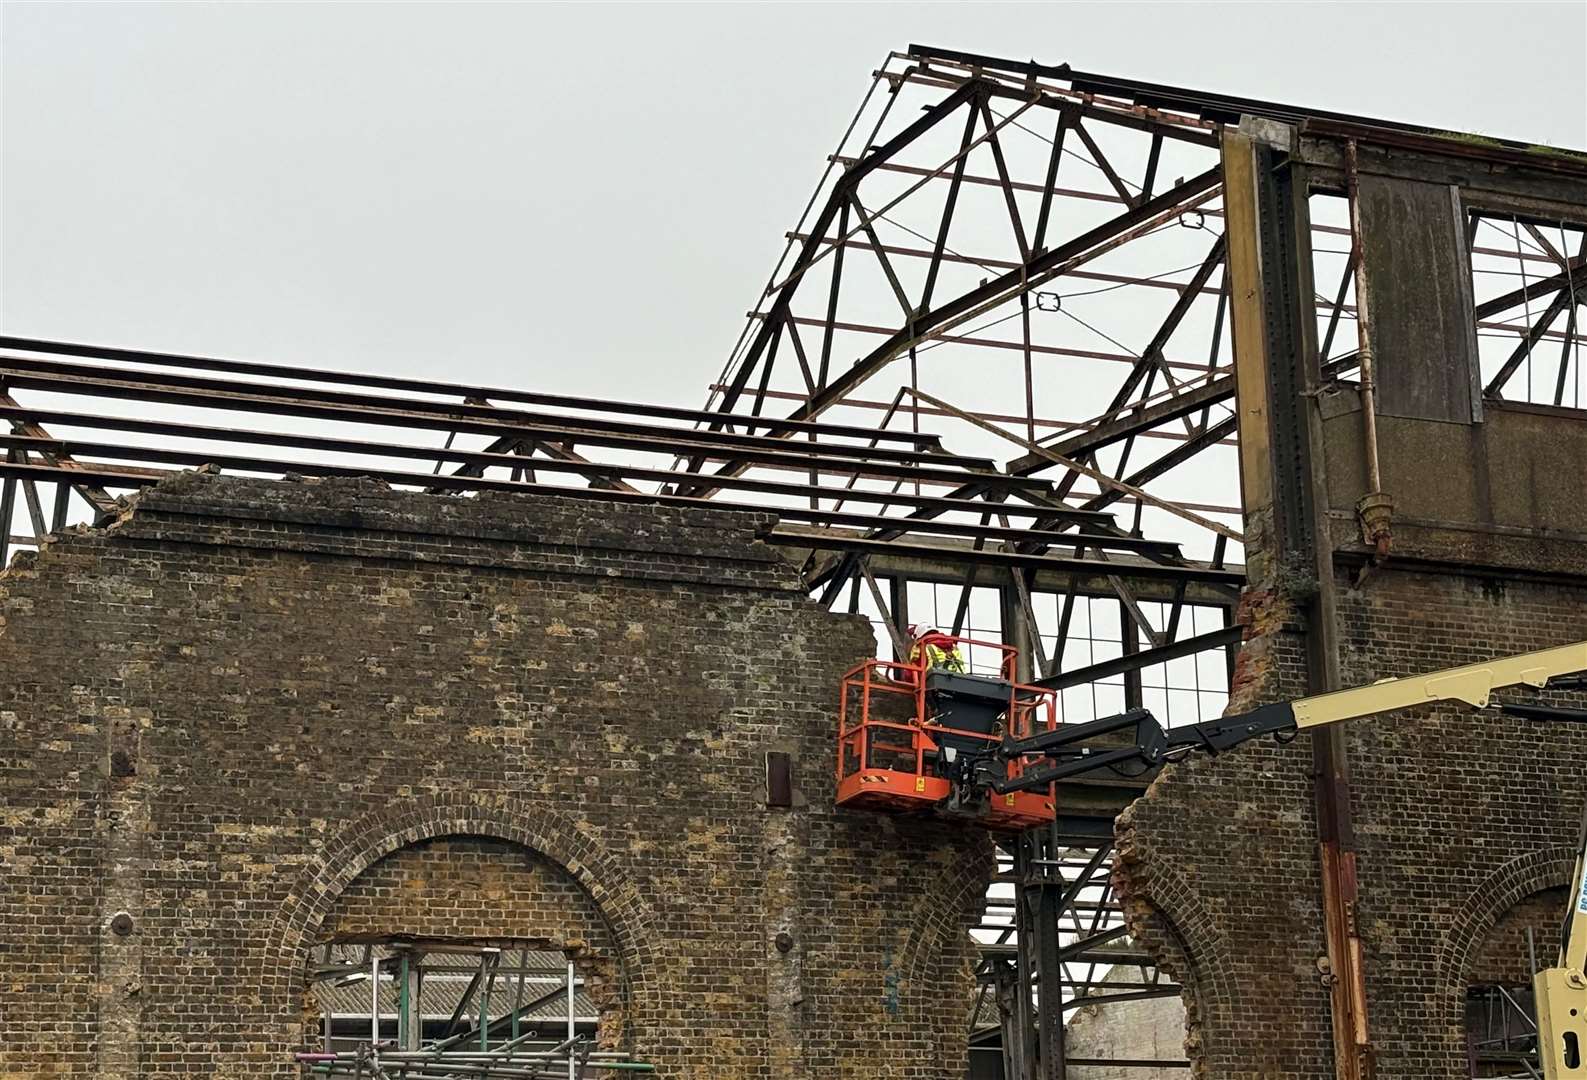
(431,1009)
(571,1059)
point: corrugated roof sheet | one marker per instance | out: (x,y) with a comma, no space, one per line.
(545,973)
(440,996)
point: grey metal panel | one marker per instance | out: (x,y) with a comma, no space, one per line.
(1422,321)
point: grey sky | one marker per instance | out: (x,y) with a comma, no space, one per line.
(583,197)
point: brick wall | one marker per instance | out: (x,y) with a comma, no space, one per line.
(1217,870)
(223,710)
(1459,818)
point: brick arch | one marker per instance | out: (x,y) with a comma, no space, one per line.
(1507,885)
(945,910)
(1166,915)
(938,916)
(370,838)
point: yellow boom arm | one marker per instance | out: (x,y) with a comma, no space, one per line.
(1472,684)
(1562,990)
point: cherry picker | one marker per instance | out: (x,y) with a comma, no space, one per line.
(986,748)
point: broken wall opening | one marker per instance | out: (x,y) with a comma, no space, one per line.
(1105,649)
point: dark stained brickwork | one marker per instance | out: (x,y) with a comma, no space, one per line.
(1461,821)
(232,711)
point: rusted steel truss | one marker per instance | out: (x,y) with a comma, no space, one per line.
(1003,251)
(86,422)
(1053,920)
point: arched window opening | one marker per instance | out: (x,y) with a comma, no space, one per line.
(1501,1017)
(464,956)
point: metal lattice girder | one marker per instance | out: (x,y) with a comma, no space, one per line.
(100,448)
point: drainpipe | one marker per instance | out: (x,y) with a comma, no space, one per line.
(1375,510)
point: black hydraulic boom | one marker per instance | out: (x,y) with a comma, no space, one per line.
(1152,745)
(1069,752)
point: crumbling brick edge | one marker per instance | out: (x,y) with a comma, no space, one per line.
(1168,918)
(1163,911)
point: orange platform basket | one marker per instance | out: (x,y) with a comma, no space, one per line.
(891,740)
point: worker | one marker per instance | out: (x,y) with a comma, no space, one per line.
(941,651)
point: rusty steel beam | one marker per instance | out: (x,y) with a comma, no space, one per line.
(619,433)
(860,545)
(985,342)
(1216,639)
(1006,284)
(838,203)
(474,463)
(1010,264)
(1529,340)
(989,181)
(1213,435)
(1064,425)
(97,497)
(1540,287)
(137,476)
(170,455)
(1118,112)
(924,323)
(1101,478)
(459,391)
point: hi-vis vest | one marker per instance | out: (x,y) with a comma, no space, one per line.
(938,657)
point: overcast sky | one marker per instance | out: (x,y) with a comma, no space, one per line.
(574,197)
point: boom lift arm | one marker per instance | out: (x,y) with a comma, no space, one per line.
(1561,991)
(1067,754)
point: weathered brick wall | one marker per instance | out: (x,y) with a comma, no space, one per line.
(1460,815)
(224,709)
(55,817)
(1459,818)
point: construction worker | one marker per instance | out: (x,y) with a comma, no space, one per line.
(941,651)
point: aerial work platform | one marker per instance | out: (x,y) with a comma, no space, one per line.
(909,730)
